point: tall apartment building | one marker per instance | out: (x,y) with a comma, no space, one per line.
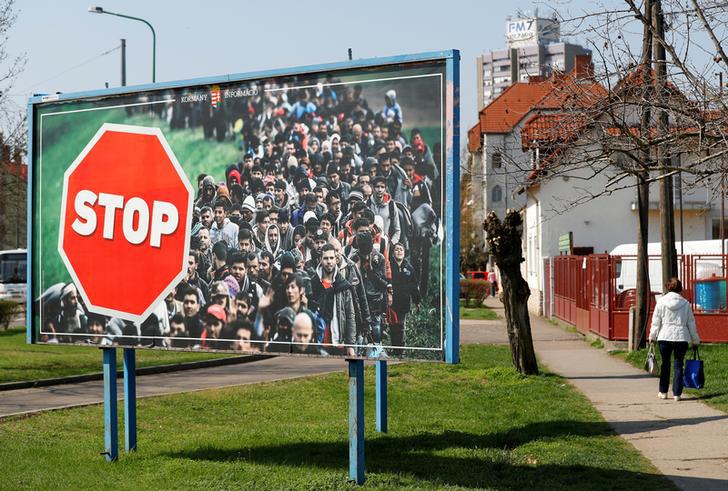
(533,48)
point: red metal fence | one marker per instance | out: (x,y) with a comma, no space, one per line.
(594,293)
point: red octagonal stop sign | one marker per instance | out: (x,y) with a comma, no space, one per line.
(125,221)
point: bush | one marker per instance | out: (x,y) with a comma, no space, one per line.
(474,290)
(423,330)
(8,310)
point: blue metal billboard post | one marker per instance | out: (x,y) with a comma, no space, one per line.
(130,433)
(111,421)
(452,213)
(381,396)
(356,421)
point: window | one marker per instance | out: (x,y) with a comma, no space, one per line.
(716,228)
(496,160)
(496,195)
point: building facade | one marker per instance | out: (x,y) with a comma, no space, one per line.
(502,165)
(533,48)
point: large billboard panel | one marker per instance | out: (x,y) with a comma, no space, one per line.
(304,211)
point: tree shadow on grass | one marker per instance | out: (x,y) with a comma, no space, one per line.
(421,456)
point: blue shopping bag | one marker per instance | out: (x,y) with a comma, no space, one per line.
(694,376)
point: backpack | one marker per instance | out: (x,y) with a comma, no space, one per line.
(406,225)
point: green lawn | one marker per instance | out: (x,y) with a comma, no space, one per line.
(478,424)
(477,313)
(21,361)
(715,356)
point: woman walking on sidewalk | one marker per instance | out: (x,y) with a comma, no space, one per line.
(673,327)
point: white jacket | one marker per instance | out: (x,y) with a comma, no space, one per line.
(673,320)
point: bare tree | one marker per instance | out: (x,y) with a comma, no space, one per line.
(504,243)
(13,136)
(659,116)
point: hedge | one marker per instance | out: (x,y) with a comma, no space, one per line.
(474,290)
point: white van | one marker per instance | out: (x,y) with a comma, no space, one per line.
(705,268)
(13,281)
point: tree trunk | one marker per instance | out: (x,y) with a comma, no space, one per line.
(643,278)
(643,192)
(667,214)
(504,243)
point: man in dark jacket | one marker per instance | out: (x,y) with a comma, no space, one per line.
(351,272)
(404,292)
(193,278)
(372,266)
(333,295)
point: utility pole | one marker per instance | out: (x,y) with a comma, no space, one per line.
(643,191)
(667,208)
(123,62)
(722,181)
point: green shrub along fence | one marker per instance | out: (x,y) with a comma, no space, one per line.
(8,310)
(474,291)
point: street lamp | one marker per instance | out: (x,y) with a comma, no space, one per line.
(100,10)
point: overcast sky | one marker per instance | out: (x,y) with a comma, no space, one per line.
(65,44)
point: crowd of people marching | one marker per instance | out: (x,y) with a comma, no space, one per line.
(317,241)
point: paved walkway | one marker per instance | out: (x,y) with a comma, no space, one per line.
(687,441)
(33,400)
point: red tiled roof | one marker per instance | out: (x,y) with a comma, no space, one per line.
(632,82)
(571,93)
(508,109)
(474,138)
(551,129)
(577,89)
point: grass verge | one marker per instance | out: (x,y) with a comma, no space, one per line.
(477,313)
(21,361)
(715,357)
(477,424)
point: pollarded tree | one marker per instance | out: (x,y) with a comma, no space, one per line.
(504,243)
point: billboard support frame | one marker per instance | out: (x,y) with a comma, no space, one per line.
(30,335)
(356,420)
(111,419)
(381,407)
(130,427)
(452,214)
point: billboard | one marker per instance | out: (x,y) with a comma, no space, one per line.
(305,211)
(531,31)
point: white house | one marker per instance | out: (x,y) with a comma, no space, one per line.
(580,186)
(542,144)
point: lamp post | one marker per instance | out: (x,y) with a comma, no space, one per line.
(100,10)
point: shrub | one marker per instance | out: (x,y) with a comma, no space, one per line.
(8,310)
(474,290)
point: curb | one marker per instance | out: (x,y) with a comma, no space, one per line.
(191,365)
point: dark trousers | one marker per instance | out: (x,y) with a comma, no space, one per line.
(667,348)
(396,331)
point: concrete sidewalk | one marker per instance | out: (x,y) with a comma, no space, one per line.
(25,401)
(687,441)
